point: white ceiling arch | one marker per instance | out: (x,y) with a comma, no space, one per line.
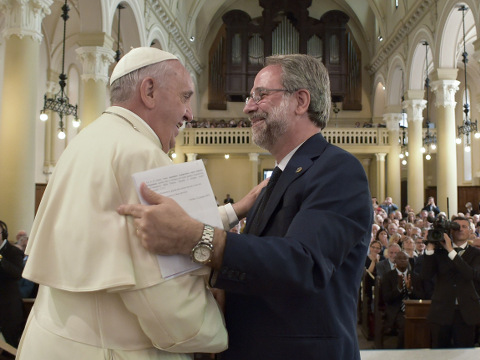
(417,59)
(452,33)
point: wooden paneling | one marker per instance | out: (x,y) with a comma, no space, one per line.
(39,190)
(417,330)
(464,193)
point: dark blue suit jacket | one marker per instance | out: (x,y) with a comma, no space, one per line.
(292,285)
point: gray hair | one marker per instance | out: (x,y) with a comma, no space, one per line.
(306,72)
(124,87)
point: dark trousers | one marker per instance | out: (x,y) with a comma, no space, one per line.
(456,335)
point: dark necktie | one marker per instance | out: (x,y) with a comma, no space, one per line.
(404,294)
(268,191)
(459,251)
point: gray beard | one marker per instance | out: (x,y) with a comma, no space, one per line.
(274,127)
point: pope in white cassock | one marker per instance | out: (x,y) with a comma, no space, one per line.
(101,294)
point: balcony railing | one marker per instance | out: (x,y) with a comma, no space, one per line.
(355,137)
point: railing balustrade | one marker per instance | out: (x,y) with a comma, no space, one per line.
(243,136)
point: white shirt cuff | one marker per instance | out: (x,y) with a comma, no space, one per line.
(452,254)
(228,216)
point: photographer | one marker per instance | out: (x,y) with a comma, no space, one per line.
(430,206)
(455,308)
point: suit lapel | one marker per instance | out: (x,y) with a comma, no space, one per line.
(298,165)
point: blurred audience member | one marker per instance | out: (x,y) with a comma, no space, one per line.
(11,306)
(430,206)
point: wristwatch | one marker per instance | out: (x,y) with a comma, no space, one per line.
(202,252)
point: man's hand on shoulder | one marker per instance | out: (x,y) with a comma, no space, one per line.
(163,227)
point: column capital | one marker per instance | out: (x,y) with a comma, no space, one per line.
(445,92)
(191,156)
(392,121)
(24,17)
(96,61)
(380,156)
(253,156)
(52,88)
(415,108)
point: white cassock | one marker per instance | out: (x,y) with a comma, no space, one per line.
(102,295)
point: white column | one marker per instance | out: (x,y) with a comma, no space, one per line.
(415,181)
(19,113)
(393,166)
(253,157)
(380,176)
(96,61)
(446,147)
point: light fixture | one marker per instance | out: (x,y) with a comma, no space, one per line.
(60,103)
(403,124)
(117,53)
(468,126)
(430,140)
(227,156)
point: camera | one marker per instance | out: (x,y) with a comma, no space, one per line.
(440,226)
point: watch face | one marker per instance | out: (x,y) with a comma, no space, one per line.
(202,254)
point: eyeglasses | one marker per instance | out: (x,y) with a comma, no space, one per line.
(260,94)
(374,247)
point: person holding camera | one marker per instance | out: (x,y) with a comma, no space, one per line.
(455,308)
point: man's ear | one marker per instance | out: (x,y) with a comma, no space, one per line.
(303,100)
(147,87)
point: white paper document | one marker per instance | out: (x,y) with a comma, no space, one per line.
(188,184)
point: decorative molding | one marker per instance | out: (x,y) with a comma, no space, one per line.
(176,32)
(380,156)
(253,156)
(400,33)
(52,88)
(24,17)
(392,121)
(445,92)
(96,61)
(415,107)
(191,156)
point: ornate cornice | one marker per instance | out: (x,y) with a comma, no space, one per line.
(402,31)
(392,121)
(176,32)
(415,106)
(445,92)
(95,60)
(24,17)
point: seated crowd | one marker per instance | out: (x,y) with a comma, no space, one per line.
(405,261)
(218,123)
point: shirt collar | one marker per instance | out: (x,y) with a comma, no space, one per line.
(402,273)
(283,163)
(3,244)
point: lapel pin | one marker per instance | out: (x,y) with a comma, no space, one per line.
(298,170)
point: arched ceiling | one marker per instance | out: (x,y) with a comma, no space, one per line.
(364,14)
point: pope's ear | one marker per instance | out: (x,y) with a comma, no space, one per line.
(303,101)
(147,91)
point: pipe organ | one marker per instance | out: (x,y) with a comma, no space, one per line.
(285,27)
